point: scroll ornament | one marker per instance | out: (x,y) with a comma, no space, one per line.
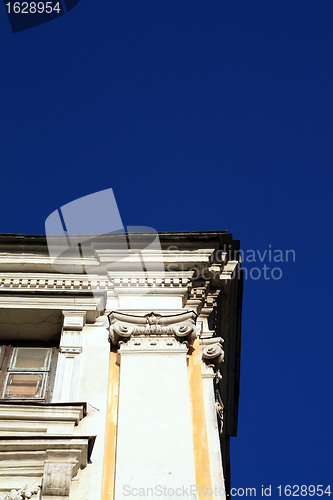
(124,326)
(212,352)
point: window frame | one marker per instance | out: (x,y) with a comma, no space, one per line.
(7,357)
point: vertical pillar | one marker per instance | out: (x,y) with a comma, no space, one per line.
(154,440)
(213,356)
(69,356)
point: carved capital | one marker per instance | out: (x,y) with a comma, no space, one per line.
(125,326)
(212,351)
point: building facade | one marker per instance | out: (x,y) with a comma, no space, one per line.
(119,367)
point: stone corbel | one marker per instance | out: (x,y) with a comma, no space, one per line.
(49,461)
(68,362)
(60,467)
(57,480)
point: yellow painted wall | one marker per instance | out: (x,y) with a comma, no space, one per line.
(200,442)
(111,430)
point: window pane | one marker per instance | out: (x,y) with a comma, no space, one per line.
(30,358)
(25,385)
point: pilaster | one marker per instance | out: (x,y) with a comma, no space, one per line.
(70,348)
(154,436)
(212,358)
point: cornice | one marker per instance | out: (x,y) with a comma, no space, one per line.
(40,282)
(127,259)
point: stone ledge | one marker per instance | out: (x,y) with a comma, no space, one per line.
(43,461)
(27,419)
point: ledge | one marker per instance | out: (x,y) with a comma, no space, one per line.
(32,419)
(24,460)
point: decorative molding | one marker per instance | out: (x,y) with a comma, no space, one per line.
(39,420)
(84,282)
(124,326)
(22,493)
(197,297)
(203,299)
(70,351)
(151,279)
(209,302)
(49,282)
(26,457)
(151,344)
(199,293)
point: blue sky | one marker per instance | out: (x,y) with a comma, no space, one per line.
(201,116)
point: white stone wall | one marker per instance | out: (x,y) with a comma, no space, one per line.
(154,441)
(92,387)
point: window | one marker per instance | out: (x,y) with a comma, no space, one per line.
(27,372)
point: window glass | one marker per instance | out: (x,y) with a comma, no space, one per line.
(29,358)
(25,385)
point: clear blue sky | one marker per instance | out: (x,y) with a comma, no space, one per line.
(201,115)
